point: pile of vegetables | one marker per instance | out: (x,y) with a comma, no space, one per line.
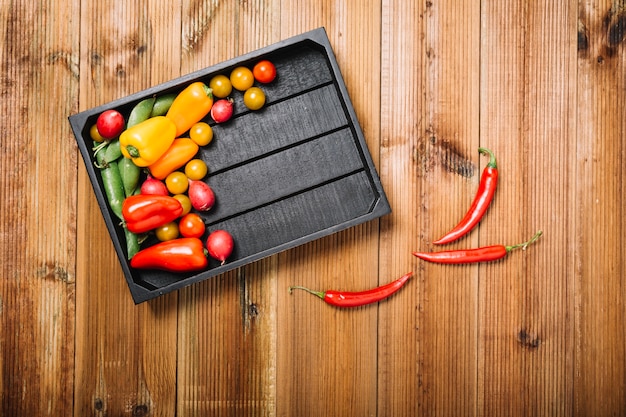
(152,179)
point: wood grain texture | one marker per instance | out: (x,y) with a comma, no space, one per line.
(527,301)
(599,384)
(540,333)
(118,58)
(38,209)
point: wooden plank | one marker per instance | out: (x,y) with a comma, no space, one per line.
(429,155)
(599,382)
(227,333)
(324,353)
(541,333)
(38,209)
(125,354)
(526,345)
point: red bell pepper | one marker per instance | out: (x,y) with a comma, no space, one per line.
(144,212)
(178,255)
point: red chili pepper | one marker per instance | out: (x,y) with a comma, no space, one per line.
(143,212)
(482,200)
(356,299)
(178,255)
(483,254)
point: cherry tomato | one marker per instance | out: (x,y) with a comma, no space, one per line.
(242,78)
(264,71)
(95,135)
(201,133)
(191,225)
(177,182)
(110,124)
(184,201)
(196,169)
(221,86)
(166,232)
(254,98)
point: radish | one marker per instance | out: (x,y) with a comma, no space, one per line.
(220,245)
(110,124)
(200,195)
(152,186)
(222,110)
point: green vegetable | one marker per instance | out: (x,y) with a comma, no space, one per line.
(130,175)
(113,188)
(106,152)
(132,243)
(140,112)
(162,105)
(113,151)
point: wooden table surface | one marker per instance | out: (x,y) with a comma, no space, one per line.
(540,333)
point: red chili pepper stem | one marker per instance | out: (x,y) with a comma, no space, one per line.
(525,244)
(492,158)
(480,204)
(356,299)
(319,294)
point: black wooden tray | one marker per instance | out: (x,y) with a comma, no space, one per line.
(296,170)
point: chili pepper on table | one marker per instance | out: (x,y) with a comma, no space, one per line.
(177,255)
(482,254)
(482,200)
(179,153)
(147,141)
(356,299)
(145,212)
(190,106)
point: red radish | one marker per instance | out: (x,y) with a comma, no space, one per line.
(200,195)
(152,186)
(222,110)
(220,245)
(110,124)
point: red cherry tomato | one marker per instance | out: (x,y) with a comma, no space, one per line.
(191,225)
(264,71)
(110,124)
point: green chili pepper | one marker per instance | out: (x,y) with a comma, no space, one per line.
(140,112)
(130,175)
(162,104)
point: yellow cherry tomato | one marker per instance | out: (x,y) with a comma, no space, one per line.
(221,86)
(184,201)
(201,133)
(168,231)
(177,182)
(95,135)
(254,98)
(196,169)
(241,78)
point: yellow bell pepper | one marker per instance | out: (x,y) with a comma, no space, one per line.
(147,141)
(181,152)
(190,106)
